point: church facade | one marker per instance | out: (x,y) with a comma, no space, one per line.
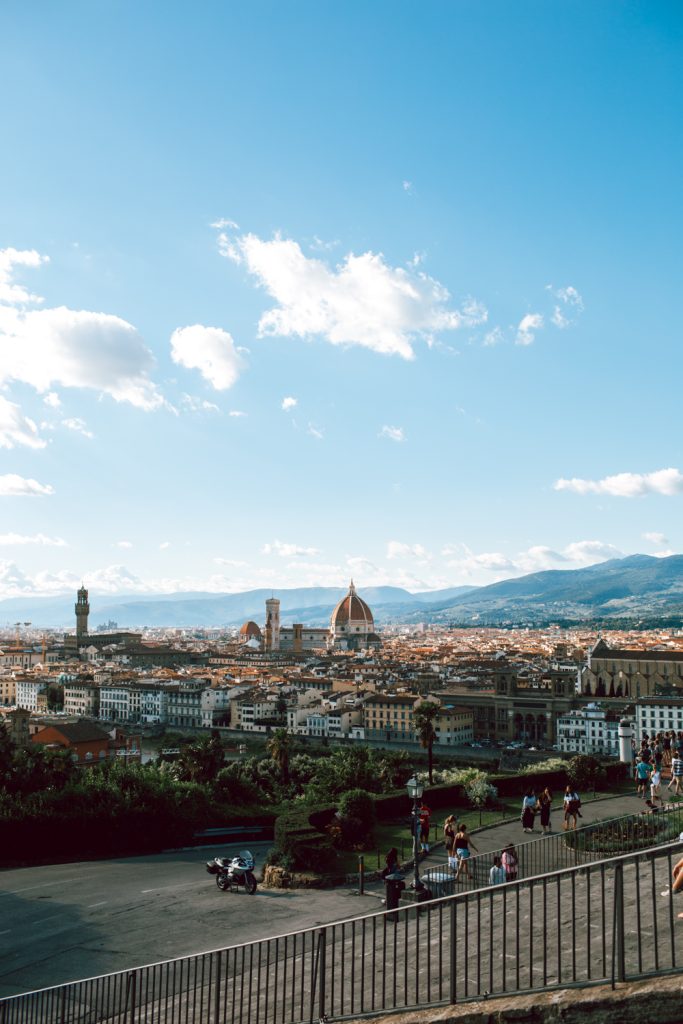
(352,628)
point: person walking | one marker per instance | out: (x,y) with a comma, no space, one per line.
(463,851)
(676,772)
(449,829)
(510,862)
(497,875)
(656,786)
(545,801)
(572,808)
(425,817)
(391,864)
(529,805)
(643,772)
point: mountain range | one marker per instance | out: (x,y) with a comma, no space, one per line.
(625,590)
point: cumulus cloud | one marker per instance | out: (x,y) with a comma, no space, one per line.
(656,538)
(277,547)
(392,433)
(570,296)
(14,486)
(527,327)
(493,337)
(210,350)
(53,400)
(8,540)
(10,292)
(397,549)
(165,545)
(17,429)
(236,413)
(195,404)
(362,301)
(627,485)
(124,544)
(289,403)
(496,565)
(559,319)
(78,425)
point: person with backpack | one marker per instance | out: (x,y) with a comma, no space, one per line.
(676,772)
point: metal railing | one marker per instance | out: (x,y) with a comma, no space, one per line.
(558,850)
(567,928)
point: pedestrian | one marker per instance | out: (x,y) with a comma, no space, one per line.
(676,772)
(643,772)
(572,807)
(497,874)
(449,828)
(391,864)
(545,802)
(529,805)
(463,851)
(676,881)
(425,816)
(510,862)
(666,750)
(655,785)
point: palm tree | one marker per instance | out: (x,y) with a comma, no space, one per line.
(280,747)
(424,714)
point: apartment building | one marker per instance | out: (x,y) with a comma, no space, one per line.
(8,690)
(82,699)
(28,689)
(589,730)
(658,714)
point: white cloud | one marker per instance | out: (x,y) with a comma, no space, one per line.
(559,319)
(165,545)
(570,296)
(277,547)
(527,327)
(125,544)
(627,485)
(315,432)
(656,538)
(53,400)
(17,539)
(407,186)
(195,404)
(12,293)
(397,549)
(231,563)
(362,301)
(12,486)
(210,350)
(289,403)
(77,349)
(493,337)
(222,223)
(236,413)
(392,433)
(78,425)
(17,429)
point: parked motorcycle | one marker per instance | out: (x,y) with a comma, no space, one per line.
(232,872)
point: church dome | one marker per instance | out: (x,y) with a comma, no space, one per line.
(352,613)
(249,630)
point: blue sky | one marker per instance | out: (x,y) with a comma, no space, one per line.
(294,292)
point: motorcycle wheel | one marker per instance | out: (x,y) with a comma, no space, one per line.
(222,881)
(249,883)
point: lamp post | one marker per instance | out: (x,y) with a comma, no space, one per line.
(415,791)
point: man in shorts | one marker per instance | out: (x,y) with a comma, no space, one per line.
(643,772)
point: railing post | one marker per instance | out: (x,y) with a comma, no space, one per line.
(618,936)
(361,874)
(454,958)
(322,945)
(217,992)
(131,990)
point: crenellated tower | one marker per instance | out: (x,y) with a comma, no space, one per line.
(82,609)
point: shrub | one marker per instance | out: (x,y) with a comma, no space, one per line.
(358,817)
(585,771)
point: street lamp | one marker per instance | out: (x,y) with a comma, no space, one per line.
(415,791)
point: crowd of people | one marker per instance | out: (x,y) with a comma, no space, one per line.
(658,756)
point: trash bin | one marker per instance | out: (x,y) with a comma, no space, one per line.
(441,883)
(394,884)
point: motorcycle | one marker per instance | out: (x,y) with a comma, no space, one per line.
(231,872)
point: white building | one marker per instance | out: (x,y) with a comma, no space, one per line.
(27,692)
(82,699)
(591,730)
(658,714)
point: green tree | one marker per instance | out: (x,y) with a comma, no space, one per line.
(424,714)
(279,747)
(201,760)
(357,813)
(585,771)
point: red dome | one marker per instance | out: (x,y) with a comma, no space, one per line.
(352,609)
(250,629)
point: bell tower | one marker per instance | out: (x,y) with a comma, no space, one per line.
(82,609)
(272,624)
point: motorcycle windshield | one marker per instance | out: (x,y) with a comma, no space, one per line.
(247,856)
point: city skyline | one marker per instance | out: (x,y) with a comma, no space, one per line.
(294,296)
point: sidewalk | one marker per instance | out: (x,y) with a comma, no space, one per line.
(492,838)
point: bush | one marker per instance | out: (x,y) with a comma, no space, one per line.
(357,818)
(585,771)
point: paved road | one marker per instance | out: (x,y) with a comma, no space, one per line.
(67,921)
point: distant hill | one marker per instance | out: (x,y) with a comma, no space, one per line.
(631,588)
(311,605)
